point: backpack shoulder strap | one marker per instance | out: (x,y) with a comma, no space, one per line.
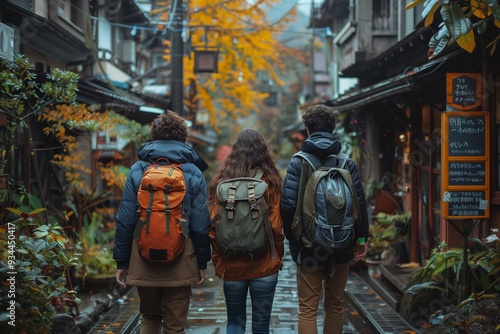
(336,160)
(333,160)
(144,165)
(256,173)
(311,159)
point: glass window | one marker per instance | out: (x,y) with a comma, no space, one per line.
(382,15)
(76,13)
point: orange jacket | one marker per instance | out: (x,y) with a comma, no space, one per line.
(239,268)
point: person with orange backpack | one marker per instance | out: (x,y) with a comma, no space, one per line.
(161,241)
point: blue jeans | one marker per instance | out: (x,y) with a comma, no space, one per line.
(262,294)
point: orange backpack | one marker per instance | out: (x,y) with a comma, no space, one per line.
(161,231)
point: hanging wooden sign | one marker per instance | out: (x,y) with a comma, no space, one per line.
(463,91)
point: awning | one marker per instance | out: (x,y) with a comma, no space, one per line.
(401,83)
(159,90)
(201,139)
(95,93)
(117,76)
(375,94)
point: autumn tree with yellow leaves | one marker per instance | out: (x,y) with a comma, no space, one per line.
(248,44)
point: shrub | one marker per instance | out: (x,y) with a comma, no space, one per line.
(36,263)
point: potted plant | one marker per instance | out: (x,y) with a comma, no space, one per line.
(96,270)
(377,243)
(376,246)
(395,226)
(386,231)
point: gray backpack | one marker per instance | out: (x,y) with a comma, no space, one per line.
(327,206)
(242,223)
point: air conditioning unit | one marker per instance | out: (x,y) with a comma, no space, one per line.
(6,42)
(128,52)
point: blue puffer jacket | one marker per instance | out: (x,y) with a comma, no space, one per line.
(320,144)
(194,205)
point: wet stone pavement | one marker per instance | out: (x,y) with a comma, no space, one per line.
(207,313)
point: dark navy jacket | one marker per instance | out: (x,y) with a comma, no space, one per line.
(194,205)
(320,144)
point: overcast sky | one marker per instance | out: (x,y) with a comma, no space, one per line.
(303,5)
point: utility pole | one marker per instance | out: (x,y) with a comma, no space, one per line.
(176,56)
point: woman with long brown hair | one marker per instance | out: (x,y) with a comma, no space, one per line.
(242,273)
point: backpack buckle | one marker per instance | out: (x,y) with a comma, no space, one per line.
(254,209)
(251,193)
(230,210)
(230,201)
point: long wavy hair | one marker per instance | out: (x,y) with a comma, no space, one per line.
(249,152)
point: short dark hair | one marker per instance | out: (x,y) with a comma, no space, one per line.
(320,118)
(169,126)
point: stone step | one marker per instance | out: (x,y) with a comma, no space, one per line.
(387,291)
(389,282)
(396,275)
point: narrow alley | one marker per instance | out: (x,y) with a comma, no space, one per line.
(207,314)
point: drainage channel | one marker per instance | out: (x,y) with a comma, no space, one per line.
(376,312)
(123,317)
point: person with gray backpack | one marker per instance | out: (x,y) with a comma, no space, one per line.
(325,220)
(247,231)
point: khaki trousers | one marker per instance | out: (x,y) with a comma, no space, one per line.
(310,285)
(163,308)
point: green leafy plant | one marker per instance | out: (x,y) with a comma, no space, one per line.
(377,244)
(95,249)
(477,313)
(37,261)
(45,106)
(393,226)
(385,230)
(447,266)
